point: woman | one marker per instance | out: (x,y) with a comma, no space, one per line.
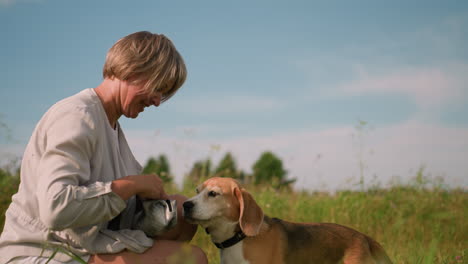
(78,172)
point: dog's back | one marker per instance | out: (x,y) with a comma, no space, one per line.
(316,242)
(378,252)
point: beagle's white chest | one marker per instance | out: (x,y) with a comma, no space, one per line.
(233,255)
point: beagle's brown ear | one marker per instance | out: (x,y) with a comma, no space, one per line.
(251,215)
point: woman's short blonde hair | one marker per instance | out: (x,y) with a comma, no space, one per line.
(144,57)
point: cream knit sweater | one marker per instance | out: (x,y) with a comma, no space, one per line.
(65,195)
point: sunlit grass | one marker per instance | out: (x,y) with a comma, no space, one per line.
(413,223)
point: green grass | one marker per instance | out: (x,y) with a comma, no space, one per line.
(414,224)
(8,186)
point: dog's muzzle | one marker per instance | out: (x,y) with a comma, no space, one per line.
(188,209)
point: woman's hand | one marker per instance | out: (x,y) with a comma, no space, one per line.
(150,186)
(147,186)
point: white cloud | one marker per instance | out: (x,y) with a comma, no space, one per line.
(428,87)
(319,159)
(425,64)
(328,158)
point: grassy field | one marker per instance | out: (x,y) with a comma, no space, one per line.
(414,224)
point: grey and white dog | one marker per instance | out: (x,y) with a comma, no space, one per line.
(154,217)
(157,217)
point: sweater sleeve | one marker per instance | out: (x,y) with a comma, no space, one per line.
(65,201)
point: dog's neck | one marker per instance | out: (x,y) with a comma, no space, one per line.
(222,230)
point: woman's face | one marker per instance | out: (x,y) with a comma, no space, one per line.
(134,99)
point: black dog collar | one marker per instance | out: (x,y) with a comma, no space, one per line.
(238,237)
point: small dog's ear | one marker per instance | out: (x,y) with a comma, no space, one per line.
(251,215)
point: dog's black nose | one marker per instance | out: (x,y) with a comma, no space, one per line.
(188,206)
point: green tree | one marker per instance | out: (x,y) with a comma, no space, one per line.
(160,167)
(201,170)
(227,167)
(9,183)
(268,169)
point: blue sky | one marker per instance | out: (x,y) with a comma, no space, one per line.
(294,77)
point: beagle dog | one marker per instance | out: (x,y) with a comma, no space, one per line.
(243,234)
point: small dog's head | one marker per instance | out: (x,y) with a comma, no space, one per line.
(223,200)
(157,217)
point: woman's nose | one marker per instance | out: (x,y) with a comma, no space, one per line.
(156,100)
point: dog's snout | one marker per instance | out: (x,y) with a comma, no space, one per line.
(169,205)
(188,206)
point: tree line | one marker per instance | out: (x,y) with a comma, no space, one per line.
(267,170)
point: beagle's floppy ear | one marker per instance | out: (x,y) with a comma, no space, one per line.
(251,215)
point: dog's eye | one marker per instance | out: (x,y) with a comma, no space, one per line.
(212,194)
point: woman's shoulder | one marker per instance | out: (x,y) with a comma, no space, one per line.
(86,99)
(83,108)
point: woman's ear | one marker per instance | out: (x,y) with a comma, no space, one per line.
(251,215)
